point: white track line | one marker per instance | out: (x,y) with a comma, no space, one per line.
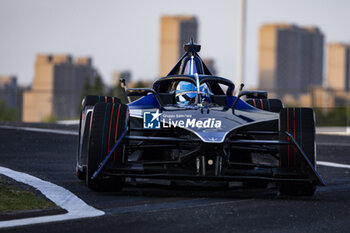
(63,198)
(68,122)
(333,144)
(334,133)
(338,131)
(330,164)
(56,131)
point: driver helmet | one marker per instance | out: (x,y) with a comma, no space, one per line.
(185,91)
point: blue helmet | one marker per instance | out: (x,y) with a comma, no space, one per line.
(185,91)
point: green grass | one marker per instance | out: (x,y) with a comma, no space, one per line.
(14,199)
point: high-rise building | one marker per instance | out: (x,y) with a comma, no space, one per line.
(175,31)
(338,64)
(57,87)
(8,90)
(290,58)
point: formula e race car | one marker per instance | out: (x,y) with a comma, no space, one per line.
(190,126)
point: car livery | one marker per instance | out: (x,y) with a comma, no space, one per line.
(191,126)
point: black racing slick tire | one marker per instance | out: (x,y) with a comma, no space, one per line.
(300,123)
(88,102)
(108,122)
(271,105)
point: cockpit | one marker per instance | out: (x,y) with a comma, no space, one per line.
(191,82)
(182,89)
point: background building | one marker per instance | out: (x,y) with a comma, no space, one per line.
(336,92)
(57,87)
(8,90)
(290,58)
(338,64)
(210,63)
(175,31)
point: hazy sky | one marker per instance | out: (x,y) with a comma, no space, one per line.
(124,34)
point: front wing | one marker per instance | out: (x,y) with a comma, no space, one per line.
(198,164)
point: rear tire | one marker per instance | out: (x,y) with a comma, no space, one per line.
(271,105)
(300,123)
(91,100)
(108,122)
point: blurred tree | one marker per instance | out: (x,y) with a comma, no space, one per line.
(98,86)
(6,113)
(140,84)
(50,118)
(117,91)
(332,117)
(86,88)
(95,88)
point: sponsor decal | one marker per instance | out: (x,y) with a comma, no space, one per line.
(155,120)
(151,120)
(192,123)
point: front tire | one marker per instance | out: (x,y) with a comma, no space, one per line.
(300,123)
(107,125)
(88,103)
(84,129)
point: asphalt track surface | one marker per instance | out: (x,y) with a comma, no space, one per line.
(159,208)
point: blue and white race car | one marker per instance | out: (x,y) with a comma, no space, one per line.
(191,126)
